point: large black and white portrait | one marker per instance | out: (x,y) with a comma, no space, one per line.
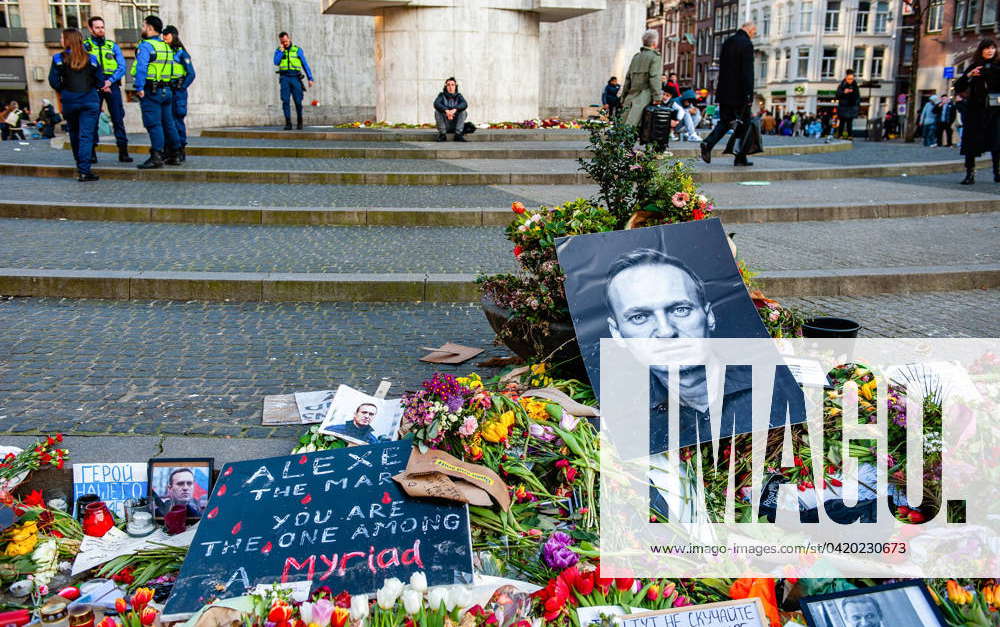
(677,280)
(905,604)
(673,281)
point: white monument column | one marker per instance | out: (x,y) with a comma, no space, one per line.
(491,47)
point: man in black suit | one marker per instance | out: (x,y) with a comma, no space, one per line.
(734,90)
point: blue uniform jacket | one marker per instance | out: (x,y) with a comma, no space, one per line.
(119,73)
(280,52)
(142,55)
(184,59)
(56,75)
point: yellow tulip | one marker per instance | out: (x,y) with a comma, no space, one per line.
(494,432)
(868,389)
(538,368)
(507,419)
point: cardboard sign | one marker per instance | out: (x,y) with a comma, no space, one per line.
(437,474)
(114,483)
(738,613)
(334,518)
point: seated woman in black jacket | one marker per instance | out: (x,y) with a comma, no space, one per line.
(449,111)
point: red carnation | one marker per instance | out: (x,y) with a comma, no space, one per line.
(698,214)
(518,250)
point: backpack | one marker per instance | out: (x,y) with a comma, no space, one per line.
(654,128)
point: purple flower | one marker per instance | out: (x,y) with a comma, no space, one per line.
(454,403)
(556,552)
(544,433)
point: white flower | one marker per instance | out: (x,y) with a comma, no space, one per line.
(388,593)
(306,611)
(458,596)
(522,228)
(436,596)
(412,601)
(418,580)
(359,607)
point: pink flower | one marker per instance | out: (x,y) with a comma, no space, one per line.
(773,316)
(680,199)
(568,421)
(468,427)
(682,601)
(544,433)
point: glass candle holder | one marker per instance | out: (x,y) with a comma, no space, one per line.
(97,519)
(138,518)
(175,520)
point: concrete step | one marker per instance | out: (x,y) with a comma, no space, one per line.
(234,147)
(387,288)
(321,133)
(453,216)
(201,261)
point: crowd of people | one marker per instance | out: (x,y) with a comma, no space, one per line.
(88,73)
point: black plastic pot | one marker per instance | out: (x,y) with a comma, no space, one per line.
(516,335)
(830,327)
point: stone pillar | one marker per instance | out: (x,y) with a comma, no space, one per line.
(491,47)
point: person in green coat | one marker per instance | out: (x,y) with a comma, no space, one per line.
(642,83)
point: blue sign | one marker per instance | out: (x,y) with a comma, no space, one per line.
(949,71)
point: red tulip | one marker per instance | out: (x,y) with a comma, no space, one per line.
(916,517)
(148,616)
(107,621)
(280,613)
(585,584)
(339,617)
(653,592)
(141,598)
(624,584)
(121,606)
(517,207)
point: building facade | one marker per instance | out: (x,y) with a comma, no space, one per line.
(804,48)
(232,48)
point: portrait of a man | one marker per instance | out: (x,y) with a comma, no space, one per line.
(861,612)
(176,482)
(360,426)
(360,418)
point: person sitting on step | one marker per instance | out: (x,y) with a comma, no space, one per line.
(449,111)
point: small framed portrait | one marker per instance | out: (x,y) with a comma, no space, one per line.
(176,483)
(902,604)
(361,418)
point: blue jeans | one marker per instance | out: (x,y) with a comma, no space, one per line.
(158,118)
(180,110)
(930,134)
(291,88)
(81,109)
(116,109)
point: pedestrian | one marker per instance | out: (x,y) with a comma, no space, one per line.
(796,124)
(960,106)
(450,111)
(642,84)
(734,92)
(12,120)
(77,76)
(112,62)
(47,120)
(979,86)
(848,104)
(767,124)
(946,118)
(291,63)
(182,77)
(672,85)
(153,70)
(610,99)
(928,122)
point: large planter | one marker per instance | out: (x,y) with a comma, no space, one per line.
(830,327)
(518,336)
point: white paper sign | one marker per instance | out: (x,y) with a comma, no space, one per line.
(313,406)
(737,613)
(97,551)
(113,483)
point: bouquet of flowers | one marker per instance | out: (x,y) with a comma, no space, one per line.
(16,466)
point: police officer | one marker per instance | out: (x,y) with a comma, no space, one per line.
(112,63)
(291,62)
(183,76)
(76,75)
(153,70)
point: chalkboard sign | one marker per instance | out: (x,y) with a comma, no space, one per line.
(334,518)
(737,613)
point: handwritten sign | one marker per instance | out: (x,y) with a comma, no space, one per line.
(738,613)
(113,483)
(334,518)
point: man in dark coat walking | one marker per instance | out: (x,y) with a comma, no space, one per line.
(734,91)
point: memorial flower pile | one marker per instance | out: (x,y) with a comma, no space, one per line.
(45,454)
(970,604)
